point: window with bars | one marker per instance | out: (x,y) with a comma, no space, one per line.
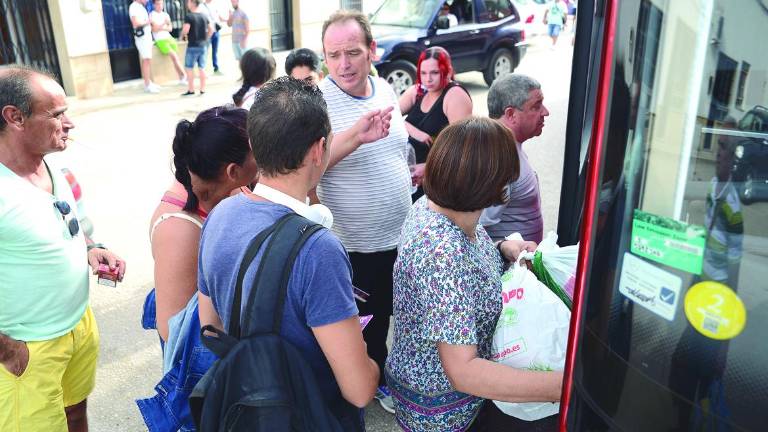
(26,35)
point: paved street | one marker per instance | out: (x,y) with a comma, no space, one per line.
(121,154)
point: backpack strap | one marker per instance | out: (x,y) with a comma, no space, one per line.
(224,341)
(250,253)
(264,309)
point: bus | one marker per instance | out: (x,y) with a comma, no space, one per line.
(664,187)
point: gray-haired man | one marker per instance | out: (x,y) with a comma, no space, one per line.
(518,103)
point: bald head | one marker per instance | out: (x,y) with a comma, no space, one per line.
(17,88)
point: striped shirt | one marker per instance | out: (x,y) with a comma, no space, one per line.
(523,211)
(368,191)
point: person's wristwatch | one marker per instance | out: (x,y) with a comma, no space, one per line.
(96,246)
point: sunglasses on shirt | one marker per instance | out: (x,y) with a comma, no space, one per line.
(65,210)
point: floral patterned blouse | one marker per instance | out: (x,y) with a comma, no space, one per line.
(447,288)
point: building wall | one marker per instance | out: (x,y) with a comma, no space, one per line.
(308,18)
(81,43)
(737,16)
(674,104)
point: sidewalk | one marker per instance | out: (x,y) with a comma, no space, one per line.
(132,92)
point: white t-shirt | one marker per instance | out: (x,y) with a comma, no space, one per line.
(211,11)
(249,97)
(140,12)
(160,18)
(369,191)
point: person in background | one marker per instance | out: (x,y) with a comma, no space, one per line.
(238,20)
(435,101)
(196,30)
(49,340)
(517,102)
(212,159)
(367,187)
(142,37)
(724,218)
(166,44)
(303,63)
(290,132)
(257,67)
(555,17)
(445,11)
(210,9)
(439,369)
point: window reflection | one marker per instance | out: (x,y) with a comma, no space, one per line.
(687,144)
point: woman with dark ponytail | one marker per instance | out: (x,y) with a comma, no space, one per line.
(257,67)
(212,158)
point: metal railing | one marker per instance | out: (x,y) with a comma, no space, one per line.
(26,35)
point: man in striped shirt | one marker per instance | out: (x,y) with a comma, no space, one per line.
(517,102)
(366,187)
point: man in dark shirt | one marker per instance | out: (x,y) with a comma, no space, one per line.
(196,30)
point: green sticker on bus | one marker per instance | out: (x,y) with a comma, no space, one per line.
(668,241)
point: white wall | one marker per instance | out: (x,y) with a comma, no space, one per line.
(82,27)
(739,41)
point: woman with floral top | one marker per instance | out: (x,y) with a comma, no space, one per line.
(447,291)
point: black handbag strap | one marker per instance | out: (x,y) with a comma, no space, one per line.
(264,309)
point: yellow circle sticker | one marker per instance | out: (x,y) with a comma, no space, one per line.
(715,310)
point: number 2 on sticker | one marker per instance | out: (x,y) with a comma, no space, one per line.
(715,307)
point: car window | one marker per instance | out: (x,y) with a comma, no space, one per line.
(497,10)
(464,11)
(754,122)
(405,13)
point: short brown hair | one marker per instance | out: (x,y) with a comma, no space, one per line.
(347,15)
(470,164)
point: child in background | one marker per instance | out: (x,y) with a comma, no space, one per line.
(303,63)
(161,27)
(257,67)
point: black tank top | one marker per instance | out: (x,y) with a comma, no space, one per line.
(431,122)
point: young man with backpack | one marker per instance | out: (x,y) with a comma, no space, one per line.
(318,322)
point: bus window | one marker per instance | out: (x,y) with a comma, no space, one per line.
(676,305)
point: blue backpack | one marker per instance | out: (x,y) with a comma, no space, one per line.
(261,382)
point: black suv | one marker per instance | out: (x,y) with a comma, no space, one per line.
(486,36)
(751,156)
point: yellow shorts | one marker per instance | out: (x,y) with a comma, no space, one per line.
(61,373)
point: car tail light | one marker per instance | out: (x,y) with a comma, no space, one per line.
(529,19)
(522,35)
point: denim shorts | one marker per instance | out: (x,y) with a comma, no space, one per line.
(195,55)
(554,30)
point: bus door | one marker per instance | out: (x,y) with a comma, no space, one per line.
(668,171)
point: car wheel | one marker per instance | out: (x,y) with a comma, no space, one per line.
(502,63)
(400,74)
(748,189)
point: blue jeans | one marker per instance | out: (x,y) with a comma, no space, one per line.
(215,50)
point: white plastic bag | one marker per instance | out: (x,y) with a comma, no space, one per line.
(532,334)
(555,266)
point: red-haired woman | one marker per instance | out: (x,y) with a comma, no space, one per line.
(432,104)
